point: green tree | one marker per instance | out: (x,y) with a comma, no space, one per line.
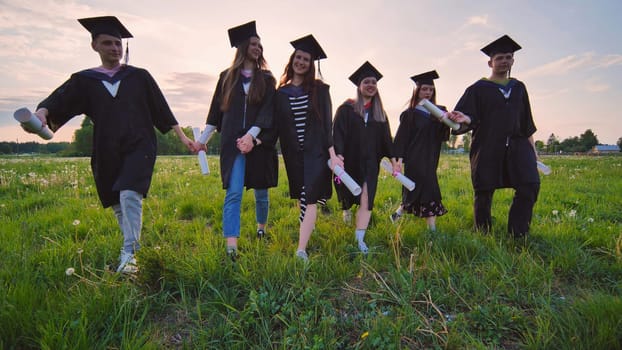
(571,145)
(539,145)
(552,144)
(619,143)
(82,144)
(466,141)
(588,140)
(452,141)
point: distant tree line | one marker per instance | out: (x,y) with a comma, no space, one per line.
(82,143)
(580,144)
(169,144)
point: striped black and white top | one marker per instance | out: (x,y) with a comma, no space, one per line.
(299,105)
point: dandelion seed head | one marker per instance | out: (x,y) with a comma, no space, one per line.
(590,220)
(572,213)
(80,251)
(76,222)
(70,271)
(555,212)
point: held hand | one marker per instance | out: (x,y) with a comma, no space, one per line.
(195,147)
(459,117)
(243,146)
(338,160)
(397,166)
(42,114)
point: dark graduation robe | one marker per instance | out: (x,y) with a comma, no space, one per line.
(262,162)
(307,166)
(124,140)
(362,146)
(501,154)
(418,141)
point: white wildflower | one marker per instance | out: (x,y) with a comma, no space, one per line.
(70,271)
(555,212)
(572,213)
(590,220)
(76,222)
(80,251)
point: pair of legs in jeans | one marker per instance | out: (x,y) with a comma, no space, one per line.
(521,210)
(233,201)
(129,213)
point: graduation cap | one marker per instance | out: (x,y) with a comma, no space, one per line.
(425,78)
(310,45)
(237,35)
(504,44)
(365,71)
(105,25)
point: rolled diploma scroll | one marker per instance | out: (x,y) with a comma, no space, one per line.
(543,168)
(32,124)
(439,114)
(408,183)
(201,155)
(346,179)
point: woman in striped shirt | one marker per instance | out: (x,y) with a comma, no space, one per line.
(303,121)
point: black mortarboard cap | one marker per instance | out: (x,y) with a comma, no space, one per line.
(504,44)
(238,34)
(105,25)
(425,78)
(364,71)
(310,45)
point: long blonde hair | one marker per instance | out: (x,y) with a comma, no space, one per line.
(257,88)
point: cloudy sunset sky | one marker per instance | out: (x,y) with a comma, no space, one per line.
(571,59)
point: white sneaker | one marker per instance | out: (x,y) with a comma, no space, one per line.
(395,217)
(127,263)
(302,255)
(363,247)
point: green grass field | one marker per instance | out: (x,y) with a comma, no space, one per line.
(453,288)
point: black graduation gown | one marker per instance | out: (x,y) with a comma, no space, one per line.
(501,154)
(418,141)
(262,161)
(124,140)
(362,146)
(307,166)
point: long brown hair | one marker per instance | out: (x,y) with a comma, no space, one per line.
(376,104)
(414,99)
(257,88)
(309,83)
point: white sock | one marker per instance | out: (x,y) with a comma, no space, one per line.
(360,235)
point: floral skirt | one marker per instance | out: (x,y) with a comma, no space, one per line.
(426,210)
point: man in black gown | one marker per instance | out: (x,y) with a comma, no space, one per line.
(503,154)
(124,103)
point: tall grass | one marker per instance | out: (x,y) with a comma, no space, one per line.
(453,288)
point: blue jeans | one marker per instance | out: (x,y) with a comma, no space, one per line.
(233,200)
(129,213)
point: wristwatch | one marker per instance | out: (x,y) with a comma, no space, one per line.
(254,141)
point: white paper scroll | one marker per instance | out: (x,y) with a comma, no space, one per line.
(406,182)
(543,168)
(346,179)
(439,114)
(201,155)
(32,124)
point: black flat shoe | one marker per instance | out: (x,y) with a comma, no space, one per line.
(261,234)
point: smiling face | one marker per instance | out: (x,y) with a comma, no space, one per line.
(301,63)
(110,49)
(501,63)
(368,87)
(254,50)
